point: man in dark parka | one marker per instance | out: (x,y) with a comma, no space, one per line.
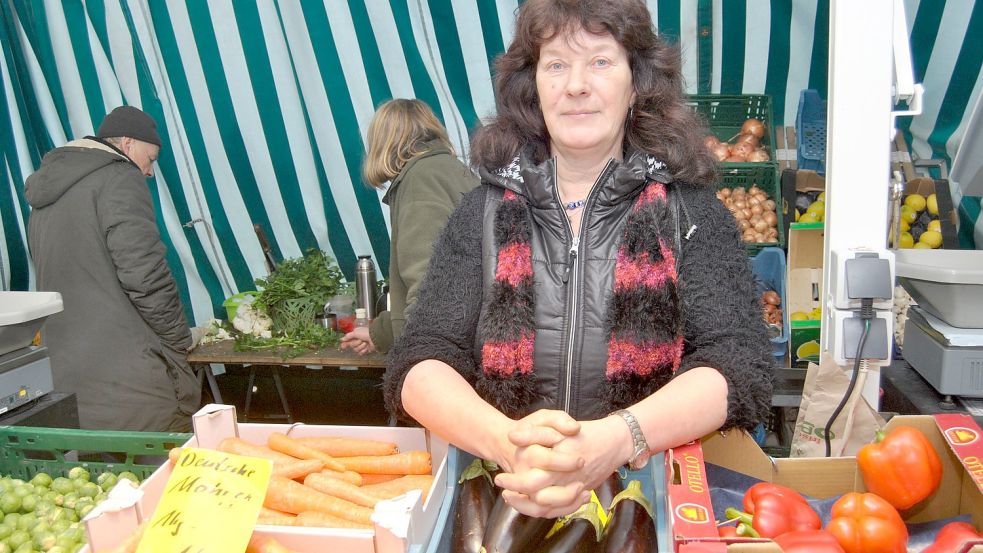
(120,344)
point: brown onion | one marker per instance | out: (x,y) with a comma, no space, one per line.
(749,138)
(711,141)
(770,217)
(758,156)
(734,159)
(721,151)
(742,149)
(770,205)
(753,126)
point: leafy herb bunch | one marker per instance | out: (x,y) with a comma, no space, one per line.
(314,277)
(291,296)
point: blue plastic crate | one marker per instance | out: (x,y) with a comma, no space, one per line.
(652,478)
(810,131)
(769,274)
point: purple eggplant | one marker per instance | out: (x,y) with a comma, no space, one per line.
(473,502)
(579,533)
(609,488)
(631,526)
(509,531)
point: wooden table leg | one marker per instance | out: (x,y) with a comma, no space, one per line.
(283,396)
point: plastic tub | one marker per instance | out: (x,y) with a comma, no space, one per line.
(769,272)
(946,283)
(21,316)
(652,478)
(232,304)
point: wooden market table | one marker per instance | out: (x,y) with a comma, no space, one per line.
(202,357)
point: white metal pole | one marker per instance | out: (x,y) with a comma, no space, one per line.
(858,131)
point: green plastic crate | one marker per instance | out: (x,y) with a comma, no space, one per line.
(26,451)
(724,114)
(765,175)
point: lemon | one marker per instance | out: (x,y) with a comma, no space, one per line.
(935,225)
(821,197)
(915,201)
(921,246)
(933,204)
(796,215)
(817,207)
(908,214)
(807,350)
(808,218)
(905,225)
(816,314)
(931,237)
(798,316)
(907,240)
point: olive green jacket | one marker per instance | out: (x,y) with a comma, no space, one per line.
(420,200)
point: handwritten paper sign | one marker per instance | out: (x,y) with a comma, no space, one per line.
(210,504)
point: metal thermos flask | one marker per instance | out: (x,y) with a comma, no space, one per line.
(365,285)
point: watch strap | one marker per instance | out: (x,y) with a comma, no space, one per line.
(641,447)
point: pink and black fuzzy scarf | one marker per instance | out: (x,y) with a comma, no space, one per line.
(643,315)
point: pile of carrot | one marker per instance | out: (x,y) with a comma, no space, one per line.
(331,482)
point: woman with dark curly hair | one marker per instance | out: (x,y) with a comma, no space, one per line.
(591,302)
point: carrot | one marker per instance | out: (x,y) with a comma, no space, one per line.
(173,455)
(399,486)
(242,447)
(340,489)
(284,494)
(368,479)
(341,446)
(266,544)
(322,520)
(286,444)
(347,476)
(274,517)
(411,462)
(298,469)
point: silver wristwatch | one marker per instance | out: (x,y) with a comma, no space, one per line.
(640,456)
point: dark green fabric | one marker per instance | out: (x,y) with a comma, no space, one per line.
(420,199)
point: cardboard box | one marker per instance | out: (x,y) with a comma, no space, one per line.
(409,521)
(804,290)
(956,438)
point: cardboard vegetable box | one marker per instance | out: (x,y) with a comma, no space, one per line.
(400,523)
(956,438)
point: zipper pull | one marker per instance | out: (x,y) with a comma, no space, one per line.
(571,258)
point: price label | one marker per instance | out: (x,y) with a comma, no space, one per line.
(210,504)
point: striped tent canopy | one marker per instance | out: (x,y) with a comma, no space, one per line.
(263,106)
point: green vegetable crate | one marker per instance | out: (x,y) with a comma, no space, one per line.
(26,451)
(725,114)
(765,175)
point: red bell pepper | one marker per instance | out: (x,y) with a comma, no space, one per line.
(775,515)
(902,467)
(809,541)
(761,488)
(951,538)
(866,523)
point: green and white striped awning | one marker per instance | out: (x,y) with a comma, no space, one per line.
(263,105)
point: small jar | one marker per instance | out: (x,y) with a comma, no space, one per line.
(361,317)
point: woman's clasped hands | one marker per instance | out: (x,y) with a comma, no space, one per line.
(556,461)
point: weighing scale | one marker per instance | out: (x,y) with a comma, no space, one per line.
(25,369)
(943,339)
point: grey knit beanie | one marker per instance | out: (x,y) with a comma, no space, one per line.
(129,121)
